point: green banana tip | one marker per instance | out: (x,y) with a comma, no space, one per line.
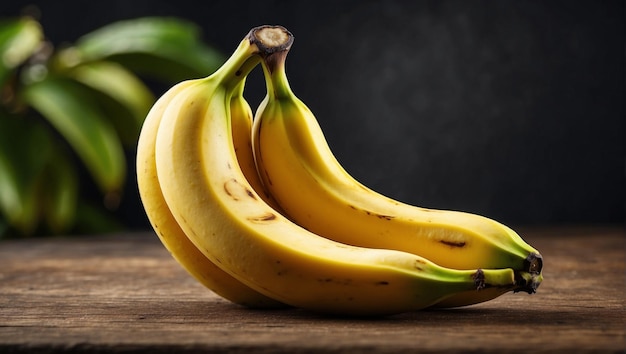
(527,282)
(529,277)
(533,264)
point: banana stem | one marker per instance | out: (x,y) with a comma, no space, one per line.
(250,64)
(274,59)
(274,70)
(271,39)
(261,42)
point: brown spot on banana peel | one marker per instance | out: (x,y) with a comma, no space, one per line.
(380,216)
(227,189)
(232,184)
(344,282)
(460,244)
(419,264)
(479,279)
(263,218)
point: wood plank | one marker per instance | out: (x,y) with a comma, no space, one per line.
(124,293)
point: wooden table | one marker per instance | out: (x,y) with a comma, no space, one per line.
(125,294)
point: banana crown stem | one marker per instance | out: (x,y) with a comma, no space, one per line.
(274,60)
(276,76)
(261,42)
(270,39)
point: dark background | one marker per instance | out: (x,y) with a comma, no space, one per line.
(511,109)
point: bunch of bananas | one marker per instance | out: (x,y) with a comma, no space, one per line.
(260,212)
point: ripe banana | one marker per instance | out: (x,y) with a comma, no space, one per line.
(241,121)
(162,220)
(216,206)
(292,154)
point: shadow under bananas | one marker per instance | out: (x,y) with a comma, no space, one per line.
(482,328)
(460,317)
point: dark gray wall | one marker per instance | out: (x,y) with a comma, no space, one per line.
(512,109)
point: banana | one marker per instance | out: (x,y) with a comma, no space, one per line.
(227,220)
(292,154)
(162,220)
(467,298)
(241,116)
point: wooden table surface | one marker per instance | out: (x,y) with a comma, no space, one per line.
(125,294)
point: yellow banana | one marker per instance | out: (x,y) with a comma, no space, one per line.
(241,116)
(292,154)
(216,206)
(164,224)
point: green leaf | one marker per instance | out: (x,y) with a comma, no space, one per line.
(59,192)
(75,114)
(93,219)
(24,152)
(167,48)
(127,101)
(19,39)
(4,227)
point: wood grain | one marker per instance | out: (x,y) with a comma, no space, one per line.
(125,294)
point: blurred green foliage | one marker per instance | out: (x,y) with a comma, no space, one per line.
(74,110)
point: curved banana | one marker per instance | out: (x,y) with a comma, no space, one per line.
(241,116)
(218,209)
(162,220)
(292,154)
